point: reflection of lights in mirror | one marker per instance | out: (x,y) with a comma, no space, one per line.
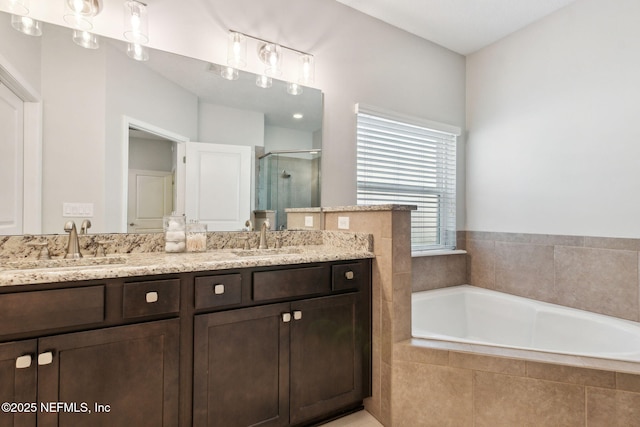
(294,89)
(85,39)
(26,25)
(298,116)
(229,73)
(264,82)
(137,52)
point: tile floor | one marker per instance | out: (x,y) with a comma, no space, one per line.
(358,419)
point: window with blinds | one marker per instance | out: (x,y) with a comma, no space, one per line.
(413,162)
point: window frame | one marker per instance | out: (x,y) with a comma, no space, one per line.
(429,231)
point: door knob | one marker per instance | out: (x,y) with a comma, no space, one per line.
(286,317)
(297,315)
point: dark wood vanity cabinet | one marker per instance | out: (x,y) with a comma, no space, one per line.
(268,346)
(285,363)
(101,375)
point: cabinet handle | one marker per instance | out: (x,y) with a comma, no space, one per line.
(297,315)
(349,275)
(151,297)
(23,362)
(45,358)
(218,289)
(286,317)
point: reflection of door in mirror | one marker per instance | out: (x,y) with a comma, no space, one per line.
(11,173)
(151,191)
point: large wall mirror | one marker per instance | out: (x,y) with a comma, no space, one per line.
(118,134)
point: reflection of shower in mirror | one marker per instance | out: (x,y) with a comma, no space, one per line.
(285,174)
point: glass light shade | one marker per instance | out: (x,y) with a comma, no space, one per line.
(294,89)
(271,55)
(137,52)
(83,7)
(237,50)
(264,82)
(78,13)
(306,71)
(229,73)
(86,39)
(16,7)
(136,25)
(26,25)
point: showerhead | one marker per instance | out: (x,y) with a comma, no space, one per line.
(285,174)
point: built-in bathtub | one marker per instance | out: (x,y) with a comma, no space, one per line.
(467,314)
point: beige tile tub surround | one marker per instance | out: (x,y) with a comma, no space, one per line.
(590,273)
(440,387)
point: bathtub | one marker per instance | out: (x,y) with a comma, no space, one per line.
(467,314)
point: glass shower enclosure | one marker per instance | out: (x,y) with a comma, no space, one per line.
(288,179)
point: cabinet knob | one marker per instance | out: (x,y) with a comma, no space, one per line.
(23,362)
(218,289)
(45,358)
(151,297)
(297,315)
(349,275)
(286,317)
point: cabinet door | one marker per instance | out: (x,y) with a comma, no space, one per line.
(18,382)
(326,356)
(241,367)
(131,370)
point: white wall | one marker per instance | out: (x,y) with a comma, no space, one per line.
(226,125)
(552,111)
(73,129)
(279,138)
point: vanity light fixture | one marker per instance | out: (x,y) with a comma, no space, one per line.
(19,10)
(271,54)
(237,50)
(136,24)
(78,13)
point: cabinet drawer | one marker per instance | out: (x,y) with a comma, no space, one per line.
(219,290)
(58,308)
(295,282)
(149,298)
(348,276)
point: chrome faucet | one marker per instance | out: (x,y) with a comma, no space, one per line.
(263,235)
(73,245)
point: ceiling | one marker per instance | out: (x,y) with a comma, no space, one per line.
(463,26)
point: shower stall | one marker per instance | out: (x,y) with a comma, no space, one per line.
(288,179)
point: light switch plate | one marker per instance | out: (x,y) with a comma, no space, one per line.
(80,210)
(308,221)
(343,222)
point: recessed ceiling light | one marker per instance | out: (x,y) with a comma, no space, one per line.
(298,116)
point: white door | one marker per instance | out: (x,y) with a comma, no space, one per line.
(11,161)
(218,185)
(150,198)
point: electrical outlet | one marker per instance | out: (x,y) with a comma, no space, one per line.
(308,221)
(343,222)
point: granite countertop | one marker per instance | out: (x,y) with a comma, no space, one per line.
(141,264)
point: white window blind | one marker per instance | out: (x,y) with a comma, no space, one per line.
(402,161)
